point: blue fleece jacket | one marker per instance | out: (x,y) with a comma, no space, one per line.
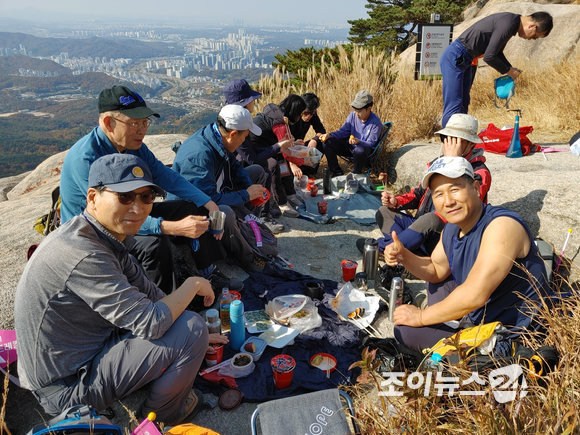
(367,132)
(203,161)
(74,179)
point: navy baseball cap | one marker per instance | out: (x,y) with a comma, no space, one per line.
(240,93)
(125,101)
(122,173)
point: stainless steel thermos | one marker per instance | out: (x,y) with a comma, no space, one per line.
(396,295)
(371,258)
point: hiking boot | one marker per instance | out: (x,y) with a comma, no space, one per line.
(218,281)
(193,404)
(295,200)
(289,211)
(274,226)
(337,173)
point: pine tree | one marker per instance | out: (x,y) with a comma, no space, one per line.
(393,23)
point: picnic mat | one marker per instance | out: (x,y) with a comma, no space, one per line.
(361,207)
(340,339)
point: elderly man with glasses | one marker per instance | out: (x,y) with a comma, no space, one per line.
(91,327)
(123,121)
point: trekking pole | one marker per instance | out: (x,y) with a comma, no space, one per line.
(563,249)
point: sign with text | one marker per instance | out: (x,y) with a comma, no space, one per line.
(432,41)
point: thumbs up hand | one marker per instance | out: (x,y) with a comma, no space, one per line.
(394,252)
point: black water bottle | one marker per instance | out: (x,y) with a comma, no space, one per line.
(326,183)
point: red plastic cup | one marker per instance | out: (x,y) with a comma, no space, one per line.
(283,369)
(322,207)
(348,269)
(310,184)
(212,359)
(314,190)
(261,200)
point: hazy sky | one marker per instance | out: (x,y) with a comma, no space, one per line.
(322,11)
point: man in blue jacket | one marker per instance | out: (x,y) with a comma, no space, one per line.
(123,121)
(207,160)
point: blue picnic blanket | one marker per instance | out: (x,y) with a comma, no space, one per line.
(338,338)
(360,207)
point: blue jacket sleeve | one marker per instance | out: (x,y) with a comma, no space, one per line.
(345,131)
(172,182)
(200,172)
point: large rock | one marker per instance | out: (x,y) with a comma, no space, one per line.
(560,45)
(538,188)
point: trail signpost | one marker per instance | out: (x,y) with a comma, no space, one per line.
(433,39)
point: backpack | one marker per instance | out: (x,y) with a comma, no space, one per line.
(80,419)
(50,221)
(260,239)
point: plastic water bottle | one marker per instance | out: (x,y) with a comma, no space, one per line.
(225,302)
(434,363)
(237,327)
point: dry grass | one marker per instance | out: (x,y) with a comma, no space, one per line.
(545,93)
(550,407)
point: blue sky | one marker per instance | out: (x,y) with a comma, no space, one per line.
(251,11)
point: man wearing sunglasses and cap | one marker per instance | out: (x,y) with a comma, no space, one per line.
(123,121)
(91,327)
(485,268)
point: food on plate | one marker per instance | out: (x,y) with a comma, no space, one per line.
(259,319)
(317,360)
(250,347)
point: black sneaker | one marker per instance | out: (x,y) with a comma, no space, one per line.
(337,173)
(218,281)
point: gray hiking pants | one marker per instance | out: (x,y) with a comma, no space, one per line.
(126,363)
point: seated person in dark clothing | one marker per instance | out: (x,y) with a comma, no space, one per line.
(309,118)
(357,138)
(239,93)
(420,234)
(485,268)
(266,149)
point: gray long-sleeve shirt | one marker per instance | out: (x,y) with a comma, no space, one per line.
(77,288)
(489,36)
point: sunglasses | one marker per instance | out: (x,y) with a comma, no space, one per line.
(136,125)
(127,198)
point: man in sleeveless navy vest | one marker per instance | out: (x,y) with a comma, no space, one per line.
(481,270)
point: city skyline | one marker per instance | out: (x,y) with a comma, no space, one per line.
(178,11)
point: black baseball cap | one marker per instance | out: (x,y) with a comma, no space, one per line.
(122,173)
(125,101)
(240,93)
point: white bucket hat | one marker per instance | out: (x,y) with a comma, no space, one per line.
(463,126)
(451,167)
